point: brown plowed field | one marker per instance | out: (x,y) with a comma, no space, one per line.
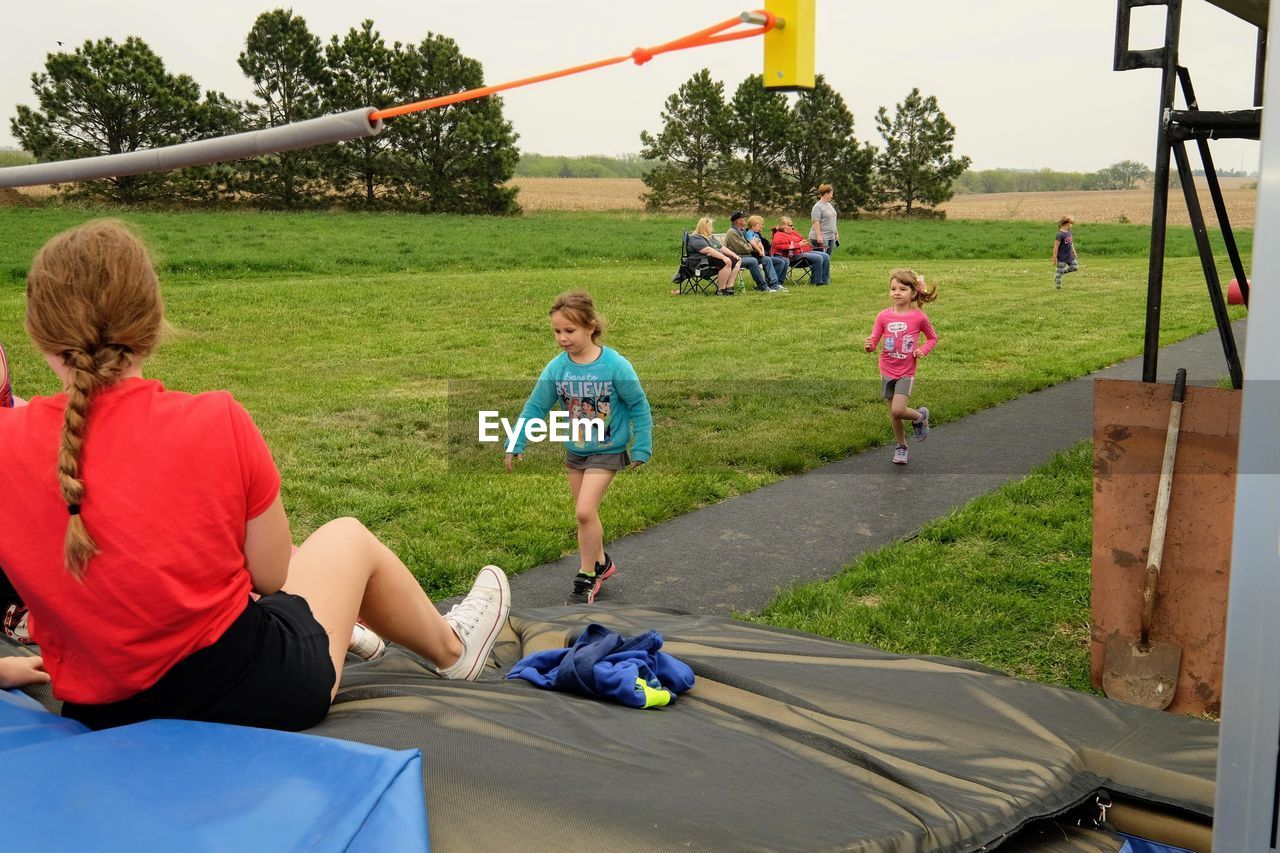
(539,194)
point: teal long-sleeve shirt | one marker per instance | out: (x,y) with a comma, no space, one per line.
(607,389)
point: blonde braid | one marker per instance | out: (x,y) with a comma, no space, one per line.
(93,301)
(78,546)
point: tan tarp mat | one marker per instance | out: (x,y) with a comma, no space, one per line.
(787,742)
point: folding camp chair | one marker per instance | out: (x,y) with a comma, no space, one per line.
(800,271)
(696,274)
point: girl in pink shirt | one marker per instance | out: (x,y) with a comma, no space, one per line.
(900,327)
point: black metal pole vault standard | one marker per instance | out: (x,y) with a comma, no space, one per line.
(1175,128)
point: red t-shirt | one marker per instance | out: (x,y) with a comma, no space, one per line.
(170,481)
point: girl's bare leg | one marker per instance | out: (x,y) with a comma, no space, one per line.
(343,571)
(587,509)
(899,412)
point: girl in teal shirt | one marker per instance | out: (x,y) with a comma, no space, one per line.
(606,409)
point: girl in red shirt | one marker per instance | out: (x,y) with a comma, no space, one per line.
(900,327)
(153,550)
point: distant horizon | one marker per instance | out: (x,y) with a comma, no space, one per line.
(1023,84)
(1020,169)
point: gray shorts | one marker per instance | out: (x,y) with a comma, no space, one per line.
(601,461)
(901,385)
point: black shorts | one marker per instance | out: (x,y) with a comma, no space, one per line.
(270,669)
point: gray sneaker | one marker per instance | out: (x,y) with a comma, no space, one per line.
(921,427)
(477,620)
(900,455)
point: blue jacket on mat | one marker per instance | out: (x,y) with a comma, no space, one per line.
(604,665)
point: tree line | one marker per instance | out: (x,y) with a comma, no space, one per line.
(585,166)
(109,98)
(1124,175)
(760,151)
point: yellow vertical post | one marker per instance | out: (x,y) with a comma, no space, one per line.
(788,47)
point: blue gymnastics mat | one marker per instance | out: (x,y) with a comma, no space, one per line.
(177,785)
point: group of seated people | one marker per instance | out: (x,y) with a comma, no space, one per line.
(767,260)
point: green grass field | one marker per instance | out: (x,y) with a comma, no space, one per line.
(15,158)
(363,345)
(1003,581)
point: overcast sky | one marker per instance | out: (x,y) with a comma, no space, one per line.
(1028,83)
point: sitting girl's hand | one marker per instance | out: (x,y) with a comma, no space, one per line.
(635,464)
(22,671)
(511,458)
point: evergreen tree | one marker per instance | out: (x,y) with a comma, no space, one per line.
(110,98)
(916,166)
(692,149)
(759,123)
(283,59)
(218,115)
(823,150)
(457,158)
(359,75)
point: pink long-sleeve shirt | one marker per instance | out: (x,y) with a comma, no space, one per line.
(900,333)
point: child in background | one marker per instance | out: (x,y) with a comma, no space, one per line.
(603,381)
(7,399)
(1064,251)
(155,549)
(13,615)
(900,326)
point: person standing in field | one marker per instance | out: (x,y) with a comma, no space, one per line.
(900,326)
(155,553)
(609,389)
(1064,251)
(825,233)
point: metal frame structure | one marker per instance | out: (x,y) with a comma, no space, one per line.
(1247,807)
(1176,128)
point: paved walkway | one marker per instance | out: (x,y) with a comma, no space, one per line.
(735,555)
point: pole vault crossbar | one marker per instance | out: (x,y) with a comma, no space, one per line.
(340,127)
(367,121)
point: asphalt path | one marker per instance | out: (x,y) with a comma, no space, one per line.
(734,556)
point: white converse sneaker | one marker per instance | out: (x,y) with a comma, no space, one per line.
(365,643)
(476,620)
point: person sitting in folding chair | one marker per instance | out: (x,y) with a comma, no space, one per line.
(695,273)
(763,250)
(791,244)
(726,262)
(759,267)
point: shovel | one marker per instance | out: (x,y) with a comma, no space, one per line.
(1146,673)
